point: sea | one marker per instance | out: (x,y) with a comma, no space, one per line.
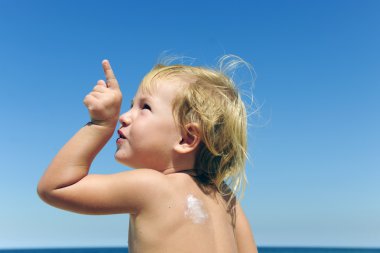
(260,249)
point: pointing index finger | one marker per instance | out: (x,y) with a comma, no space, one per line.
(110,76)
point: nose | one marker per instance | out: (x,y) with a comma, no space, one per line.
(125,119)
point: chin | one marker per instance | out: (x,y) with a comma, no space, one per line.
(125,161)
(120,158)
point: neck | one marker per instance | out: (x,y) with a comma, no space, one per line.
(191,172)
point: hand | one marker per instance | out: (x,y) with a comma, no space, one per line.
(104,101)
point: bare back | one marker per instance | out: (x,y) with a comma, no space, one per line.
(186,220)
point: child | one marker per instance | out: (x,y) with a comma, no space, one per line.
(185,135)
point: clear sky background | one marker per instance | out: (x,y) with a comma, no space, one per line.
(315,145)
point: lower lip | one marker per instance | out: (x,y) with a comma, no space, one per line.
(119,140)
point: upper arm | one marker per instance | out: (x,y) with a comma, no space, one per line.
(125,192)
(243,233)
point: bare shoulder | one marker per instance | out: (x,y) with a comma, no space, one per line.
(145,184)
(144,176)
(243,232)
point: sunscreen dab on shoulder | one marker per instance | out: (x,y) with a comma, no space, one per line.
(195,210)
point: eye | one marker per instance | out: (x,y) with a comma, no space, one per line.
(147,107)
(131,104)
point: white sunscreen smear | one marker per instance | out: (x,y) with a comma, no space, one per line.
(195,210)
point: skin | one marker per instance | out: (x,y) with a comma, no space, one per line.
(155,196)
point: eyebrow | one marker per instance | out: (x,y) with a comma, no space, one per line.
(143,99)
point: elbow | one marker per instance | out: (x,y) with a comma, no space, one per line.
(44,192)
(41,191)
(49,196)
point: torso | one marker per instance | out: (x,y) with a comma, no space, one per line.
(186,220)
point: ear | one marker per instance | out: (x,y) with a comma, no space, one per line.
(190,139)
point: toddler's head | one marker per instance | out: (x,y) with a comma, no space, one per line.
(208,99)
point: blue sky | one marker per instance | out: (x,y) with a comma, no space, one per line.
(315,146)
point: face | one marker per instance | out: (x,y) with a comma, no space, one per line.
(148,132)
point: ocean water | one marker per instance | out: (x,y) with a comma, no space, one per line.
(316,250)
(261,250)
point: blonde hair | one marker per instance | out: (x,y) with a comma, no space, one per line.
(211,100)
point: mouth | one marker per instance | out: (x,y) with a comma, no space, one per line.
(121,135)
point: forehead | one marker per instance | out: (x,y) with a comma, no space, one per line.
(158,85)
(164,89)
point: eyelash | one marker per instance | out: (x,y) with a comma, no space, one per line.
(146,106)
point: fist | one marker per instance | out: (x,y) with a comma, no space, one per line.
(104,101)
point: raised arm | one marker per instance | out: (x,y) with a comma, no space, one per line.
(66,183)
(243,233)
(73,161)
